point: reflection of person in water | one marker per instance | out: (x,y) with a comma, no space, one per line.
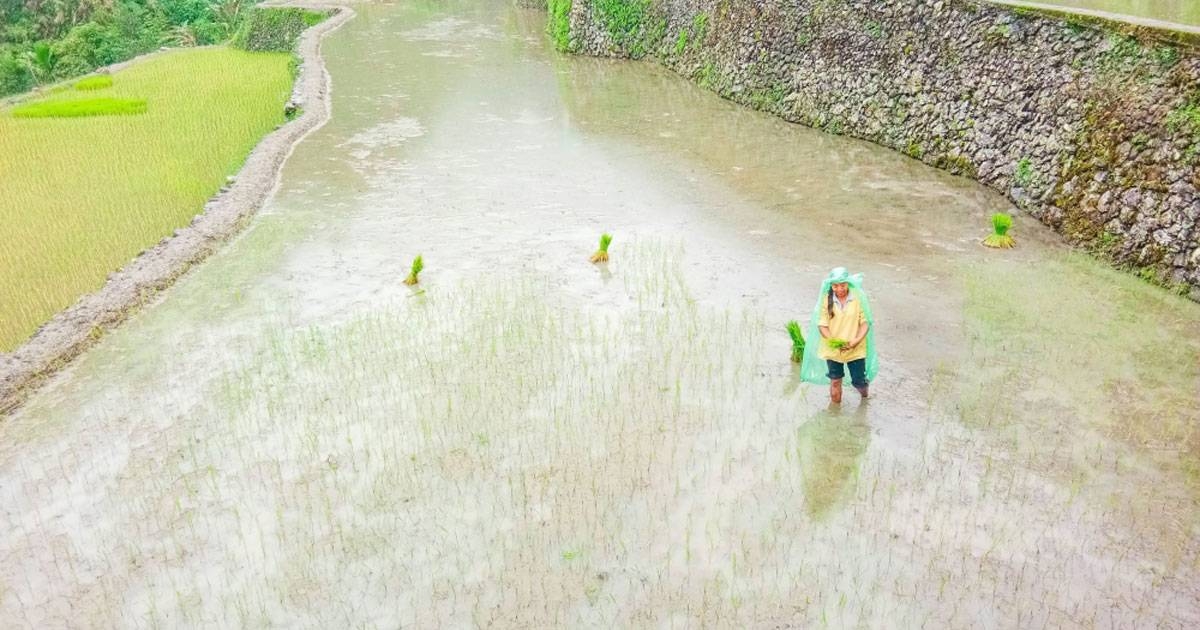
(843,322)
(830,447)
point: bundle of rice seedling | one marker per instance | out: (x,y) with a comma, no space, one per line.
(793,328)
(602,254)
(94,82)
(1000,239)
(838,344)
(417,265)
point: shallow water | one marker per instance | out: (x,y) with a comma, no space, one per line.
(292,437)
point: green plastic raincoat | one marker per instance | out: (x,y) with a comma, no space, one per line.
(813,369)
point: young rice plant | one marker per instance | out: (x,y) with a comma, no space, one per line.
(601,254)
(793,328)
(999,238)
(418,264)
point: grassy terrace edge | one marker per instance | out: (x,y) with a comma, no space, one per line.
(73,330)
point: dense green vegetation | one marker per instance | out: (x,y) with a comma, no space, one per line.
(42,41)
(560,23)
(122,183)
(274,30)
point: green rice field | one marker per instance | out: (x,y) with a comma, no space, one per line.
(80,108)
(96,82)
(85,194)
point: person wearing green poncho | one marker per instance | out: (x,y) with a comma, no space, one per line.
(843,323)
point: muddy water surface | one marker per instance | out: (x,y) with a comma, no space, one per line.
(294,438)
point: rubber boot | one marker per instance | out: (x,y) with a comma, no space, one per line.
(863,390)
(835,391)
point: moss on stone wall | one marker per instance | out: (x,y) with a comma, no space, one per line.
(1184,123)
(625,20)
(559,24)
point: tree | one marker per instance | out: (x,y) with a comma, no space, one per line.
(42,62)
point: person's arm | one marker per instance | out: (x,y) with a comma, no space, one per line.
(863,325)
(824,331)
(823,322)
(862,333)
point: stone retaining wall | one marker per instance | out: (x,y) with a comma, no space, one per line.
(1092,127)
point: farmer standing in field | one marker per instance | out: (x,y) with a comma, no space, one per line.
(843,324)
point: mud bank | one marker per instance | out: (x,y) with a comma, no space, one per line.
(73,330)
(1092,127)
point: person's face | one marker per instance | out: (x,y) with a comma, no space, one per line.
(841,290)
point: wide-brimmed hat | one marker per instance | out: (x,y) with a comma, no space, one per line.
(839,275)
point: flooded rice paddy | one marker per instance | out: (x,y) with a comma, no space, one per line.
(293,438)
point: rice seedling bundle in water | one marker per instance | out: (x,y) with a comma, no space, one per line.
(999,238)
(418,264)
(601,255)
(793,328)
